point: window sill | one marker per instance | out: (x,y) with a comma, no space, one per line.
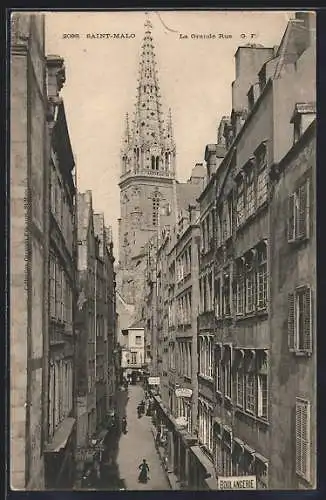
(206,377)
(253,417)
(301,354)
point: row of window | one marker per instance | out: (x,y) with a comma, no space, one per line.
(206,355)
(242,376)
(183,264)
(249,284)
(183,358)
(205,424)
(183,409)
(252,186)
(60,206)
(184,309)
(235,458)
(206,293)
(60,293)
(60,392)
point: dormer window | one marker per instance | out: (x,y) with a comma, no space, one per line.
(303,115)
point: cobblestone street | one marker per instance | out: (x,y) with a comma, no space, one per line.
(137,444)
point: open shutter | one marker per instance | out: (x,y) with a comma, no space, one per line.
(307,321)
(303,209)
(291,321)
(302,432)
(291,218)
(298,436)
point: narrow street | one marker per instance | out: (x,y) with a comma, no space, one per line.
(128,450)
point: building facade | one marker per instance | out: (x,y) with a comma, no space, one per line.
(247,427)
(86,347)
(133,351)
(62,291)
(28,252)
(44,214)
(96,324)
(293,314)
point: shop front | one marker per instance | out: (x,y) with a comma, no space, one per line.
(59,457)
(202,473)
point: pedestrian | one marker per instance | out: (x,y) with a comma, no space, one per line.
(144,470)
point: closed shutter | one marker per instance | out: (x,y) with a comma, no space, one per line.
(302,429)
(291,218)
(303,209)
(291,321)
(307,341)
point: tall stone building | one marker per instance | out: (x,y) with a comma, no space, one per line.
(28,229)
(147,179)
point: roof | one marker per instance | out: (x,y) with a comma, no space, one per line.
(198,171)
(137,324)
(187,194)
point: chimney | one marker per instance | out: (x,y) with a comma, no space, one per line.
(210,158)
(309,26)
(248,60)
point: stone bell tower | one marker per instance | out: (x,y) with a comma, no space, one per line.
(147,180)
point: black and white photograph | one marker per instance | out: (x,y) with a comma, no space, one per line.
(162,250)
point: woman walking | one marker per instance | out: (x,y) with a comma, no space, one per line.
(144,470)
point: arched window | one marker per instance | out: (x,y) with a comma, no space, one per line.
(156,207)
(166,161)
(153,162)
(157,163)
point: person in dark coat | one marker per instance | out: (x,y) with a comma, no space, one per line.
(144,470)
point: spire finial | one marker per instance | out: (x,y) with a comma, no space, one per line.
(148,25)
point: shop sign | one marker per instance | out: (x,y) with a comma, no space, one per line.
(237,483)
(181,421)
(183,392)
(153,380)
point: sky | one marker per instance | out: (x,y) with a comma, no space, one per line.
(195,77)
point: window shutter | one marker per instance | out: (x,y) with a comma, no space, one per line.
(302,430)
(291,321)
(307,321)
(303,210)
(291,218)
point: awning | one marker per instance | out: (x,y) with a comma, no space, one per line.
(239,442)
(260,457)
(204,460)
(61,436)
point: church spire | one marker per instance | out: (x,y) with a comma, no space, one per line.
(149,150)
(127,137)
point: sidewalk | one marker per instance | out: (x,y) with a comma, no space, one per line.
(171,477)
